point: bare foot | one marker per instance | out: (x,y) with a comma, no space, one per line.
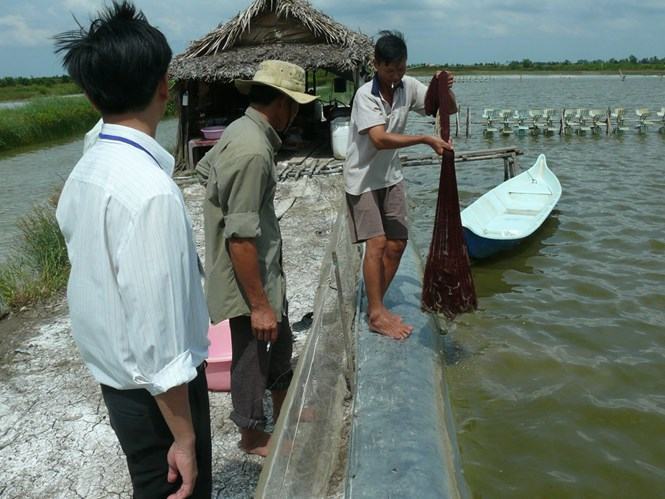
(254,441)
(394,317)
(383,322)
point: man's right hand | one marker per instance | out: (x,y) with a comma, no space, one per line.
(264,323)
(182,463)
(439,145)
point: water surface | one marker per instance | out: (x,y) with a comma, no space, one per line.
(557,380)
(31,177)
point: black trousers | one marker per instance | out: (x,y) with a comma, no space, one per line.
(145,438)
(255,368)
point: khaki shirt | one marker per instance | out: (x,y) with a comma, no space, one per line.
(241,181)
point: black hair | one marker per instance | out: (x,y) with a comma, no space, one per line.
(390,47)
(263,95)
(118,61)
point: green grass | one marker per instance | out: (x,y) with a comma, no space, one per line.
(45,119)
(48,119)
(23,92)
(38,266)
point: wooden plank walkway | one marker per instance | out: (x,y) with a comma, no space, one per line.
(317,161)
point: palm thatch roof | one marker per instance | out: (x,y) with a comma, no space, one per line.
(290,30)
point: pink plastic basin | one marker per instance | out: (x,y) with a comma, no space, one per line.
(218,372)
(212,132)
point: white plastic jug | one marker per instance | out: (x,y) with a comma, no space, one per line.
(339,136)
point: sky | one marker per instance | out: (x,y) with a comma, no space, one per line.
(436,31)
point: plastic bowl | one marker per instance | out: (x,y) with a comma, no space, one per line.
(212,132)
(218,371)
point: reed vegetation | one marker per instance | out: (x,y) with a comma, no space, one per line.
(42,120)
(18,93)
(52,118)
(37,266)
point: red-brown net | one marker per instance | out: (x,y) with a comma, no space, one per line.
(448,284)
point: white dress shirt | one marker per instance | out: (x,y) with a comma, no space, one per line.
(90,138)
(136,302)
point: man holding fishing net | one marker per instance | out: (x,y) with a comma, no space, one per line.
(375,191)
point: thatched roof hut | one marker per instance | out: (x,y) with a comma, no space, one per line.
(290,30)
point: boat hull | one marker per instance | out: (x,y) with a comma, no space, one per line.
(509,213)
(482,247)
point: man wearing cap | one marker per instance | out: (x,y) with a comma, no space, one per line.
(244,277)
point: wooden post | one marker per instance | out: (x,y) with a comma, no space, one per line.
(457,122)
(608,130)
(183,123)
(563,111)
(467,122)
(506,169)
(514,164)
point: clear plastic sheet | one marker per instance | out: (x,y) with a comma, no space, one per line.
(309,452)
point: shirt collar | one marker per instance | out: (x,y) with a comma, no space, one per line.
(376,87)
(165,161)
(262,122)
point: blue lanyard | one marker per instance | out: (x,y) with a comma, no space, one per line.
(131,143)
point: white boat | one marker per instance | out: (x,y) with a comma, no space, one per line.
(503,217)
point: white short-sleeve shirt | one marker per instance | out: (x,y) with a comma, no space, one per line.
(366,168)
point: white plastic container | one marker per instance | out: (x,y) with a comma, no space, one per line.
(339,136)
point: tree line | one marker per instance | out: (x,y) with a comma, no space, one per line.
(27,81)
(630,63)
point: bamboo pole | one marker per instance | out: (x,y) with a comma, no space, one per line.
(563,111)
(467,121)
(457,122)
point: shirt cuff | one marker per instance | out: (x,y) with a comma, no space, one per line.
(179,371)
(242,225)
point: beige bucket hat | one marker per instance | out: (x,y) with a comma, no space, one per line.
(283,76)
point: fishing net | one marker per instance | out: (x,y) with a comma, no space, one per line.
(448,284)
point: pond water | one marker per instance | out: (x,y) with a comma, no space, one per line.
(31,177)
(12,104)
(557,380)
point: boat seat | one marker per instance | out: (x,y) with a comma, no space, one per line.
(522,211)
(544,192)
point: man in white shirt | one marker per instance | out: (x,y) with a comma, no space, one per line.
(375,191)
(135,297)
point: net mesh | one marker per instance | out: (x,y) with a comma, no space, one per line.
(447,284)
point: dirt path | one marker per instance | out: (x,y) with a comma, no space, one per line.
(55,440)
